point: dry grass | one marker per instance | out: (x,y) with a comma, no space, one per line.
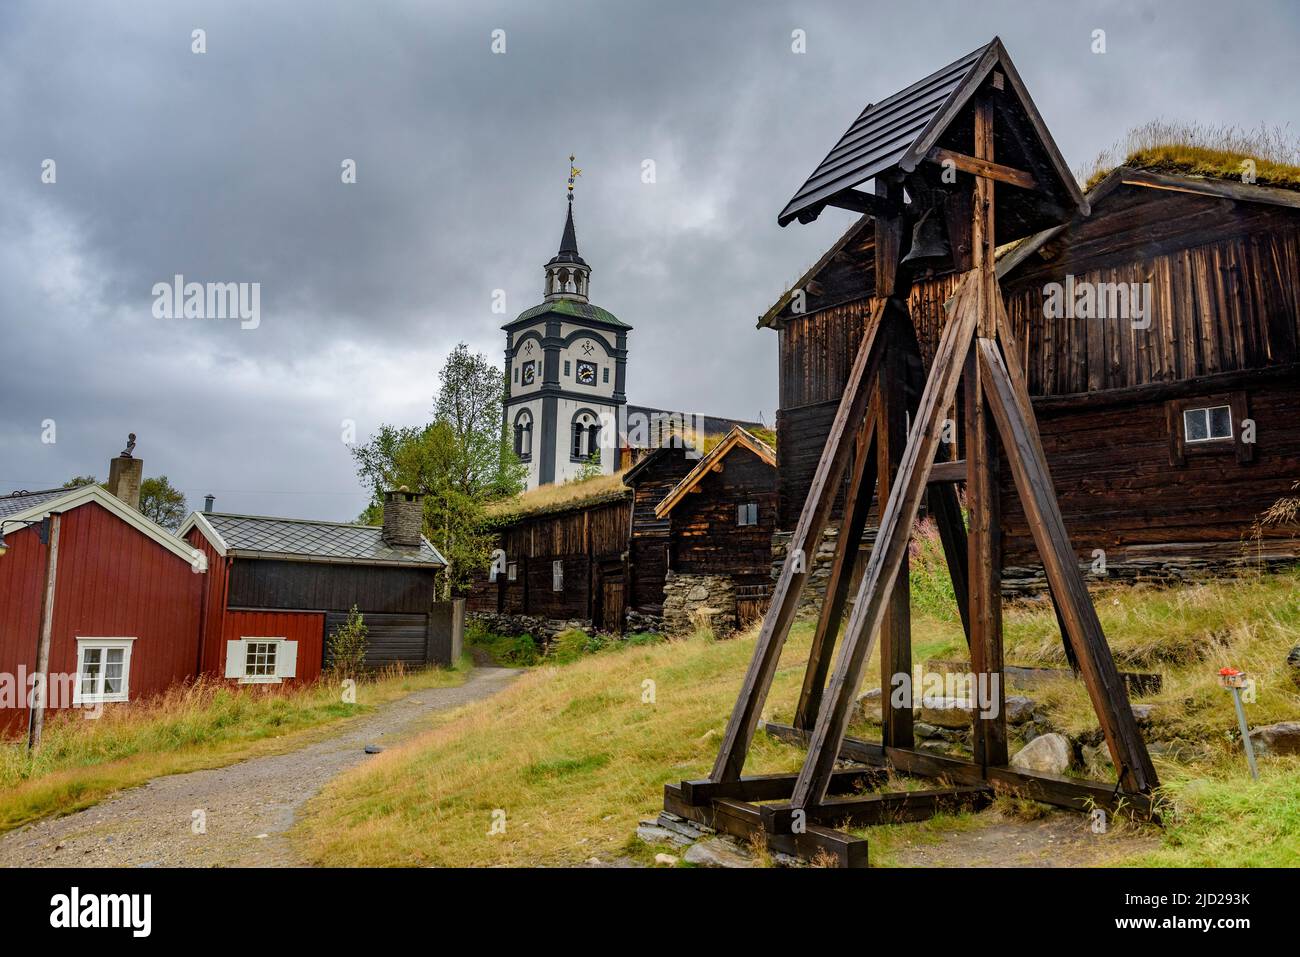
(204,724)
(1202,150)
(550,498)
(575,758)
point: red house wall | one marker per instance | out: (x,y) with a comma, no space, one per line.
(305,627)
(214,604)
(112,581)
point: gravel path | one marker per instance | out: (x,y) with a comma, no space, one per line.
(248,806)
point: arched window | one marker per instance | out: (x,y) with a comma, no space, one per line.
(524,434)
(585,437)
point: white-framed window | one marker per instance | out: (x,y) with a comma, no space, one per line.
(261,660)
(747,513)
(1207,424)
(103,670)
(512,571)
(557,576)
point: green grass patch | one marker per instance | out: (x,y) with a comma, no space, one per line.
(204,724)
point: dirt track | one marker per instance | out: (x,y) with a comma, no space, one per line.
(248,806)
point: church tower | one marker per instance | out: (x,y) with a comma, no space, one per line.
(566,371)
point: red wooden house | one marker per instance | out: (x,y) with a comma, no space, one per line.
(118,596)
(280,586)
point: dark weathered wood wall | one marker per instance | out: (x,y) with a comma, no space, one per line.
(1224,299)
(648,564)
(706,537)
(324,586)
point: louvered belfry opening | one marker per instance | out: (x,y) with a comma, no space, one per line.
(958,163)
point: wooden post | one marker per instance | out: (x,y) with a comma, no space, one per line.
(896,630)
(41,690)
(785,597)
(857,503)
(892,540)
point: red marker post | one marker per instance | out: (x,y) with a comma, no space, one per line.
(1234,681)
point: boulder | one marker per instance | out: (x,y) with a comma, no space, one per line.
(1277,739)
(947,712)
(665,860)
(1293,665)
(1049,753)
(925,731)
(1020,709)
(1096,760)
(868,705)
(1142,714)
(718,852)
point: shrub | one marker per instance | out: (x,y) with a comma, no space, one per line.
(347,647)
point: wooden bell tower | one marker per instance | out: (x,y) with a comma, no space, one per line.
(964,149)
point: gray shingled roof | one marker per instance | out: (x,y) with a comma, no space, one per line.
(320,541)
(881,135)
(22,501)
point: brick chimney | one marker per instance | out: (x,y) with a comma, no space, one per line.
(403,517)
(125,473)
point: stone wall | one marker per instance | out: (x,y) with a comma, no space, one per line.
(1031,582)
(692,600)
(543,630)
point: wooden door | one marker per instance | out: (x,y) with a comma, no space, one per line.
(612,605)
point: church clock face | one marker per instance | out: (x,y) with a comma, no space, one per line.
(530,373)
(586,373)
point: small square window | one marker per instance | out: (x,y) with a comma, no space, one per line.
(747,513)
(103,670)
(1207,424)
(259,661)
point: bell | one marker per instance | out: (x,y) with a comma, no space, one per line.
(930,249)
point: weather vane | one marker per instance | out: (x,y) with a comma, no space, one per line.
(574,173)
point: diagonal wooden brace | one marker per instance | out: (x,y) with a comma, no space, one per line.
(891,540)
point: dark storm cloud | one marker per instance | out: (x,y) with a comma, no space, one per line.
(226,167)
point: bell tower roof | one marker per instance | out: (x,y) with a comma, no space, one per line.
(568,242)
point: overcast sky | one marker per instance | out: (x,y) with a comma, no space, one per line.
(225,166)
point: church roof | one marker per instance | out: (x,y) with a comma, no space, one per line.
(568,243)
(570,309)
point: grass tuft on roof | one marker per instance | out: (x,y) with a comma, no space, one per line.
(558,498)
(1197,149)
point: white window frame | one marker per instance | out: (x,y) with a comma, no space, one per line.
(1205,411)
(512,571)
(286,660)
(557,575)
(83,644)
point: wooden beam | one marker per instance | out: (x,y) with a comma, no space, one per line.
(891,544)
(888,237)
(858,497)
(948,472)
(1074,793)
(41,692)
(802,548)
(778,787)
(945,509)
(1097,666)
(746,822)
(860,202)
(889,808)
(896,626)
(983,168)
(984,564)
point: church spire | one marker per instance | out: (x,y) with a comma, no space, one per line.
(567,274)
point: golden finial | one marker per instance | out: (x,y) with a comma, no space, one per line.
(574,173)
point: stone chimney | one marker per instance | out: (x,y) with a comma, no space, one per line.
(208,502)
(125,473)
(403,517)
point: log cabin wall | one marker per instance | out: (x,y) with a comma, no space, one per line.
(648,564)
(707,538)
(1224,311)
(588,543)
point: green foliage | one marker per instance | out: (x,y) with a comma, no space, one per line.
(162,502)
(590,468)
(519,651)
(79,480)
(460,462)
(928,577)
(347,647)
